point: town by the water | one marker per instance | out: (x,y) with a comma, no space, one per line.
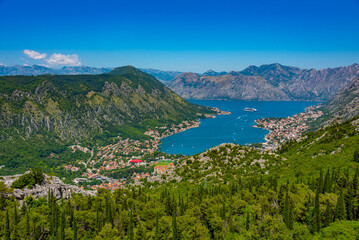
(133,162)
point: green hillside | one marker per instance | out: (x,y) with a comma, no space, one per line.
(308,190)
(42,114)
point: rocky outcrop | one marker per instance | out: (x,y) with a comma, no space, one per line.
(345,105)
(58,188)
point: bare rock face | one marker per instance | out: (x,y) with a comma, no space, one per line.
(59,189)
(233,85)
(345,104)
(266,83)
(73,108)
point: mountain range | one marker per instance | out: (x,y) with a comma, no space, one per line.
(271,82)
(36,70)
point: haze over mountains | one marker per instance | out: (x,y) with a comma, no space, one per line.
(70,70)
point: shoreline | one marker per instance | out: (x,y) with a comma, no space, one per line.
(286,128)
(179,127)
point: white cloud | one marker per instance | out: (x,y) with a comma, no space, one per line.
(61,59)
(34,55)
(2,64)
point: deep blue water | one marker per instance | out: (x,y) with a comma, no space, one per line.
(233,128)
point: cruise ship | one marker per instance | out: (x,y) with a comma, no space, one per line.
(250,109)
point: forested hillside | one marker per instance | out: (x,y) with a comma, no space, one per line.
(309,189)
(40,115)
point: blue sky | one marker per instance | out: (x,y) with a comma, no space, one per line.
(180,35)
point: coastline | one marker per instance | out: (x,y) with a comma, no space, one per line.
(181,127)
(287,128)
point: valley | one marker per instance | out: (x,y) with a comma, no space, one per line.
(301,181)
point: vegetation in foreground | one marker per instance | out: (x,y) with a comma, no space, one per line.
(312,194)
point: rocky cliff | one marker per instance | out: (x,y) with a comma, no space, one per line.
(345,105)
(266,82)
(58,188)
(79,107)
(233,85)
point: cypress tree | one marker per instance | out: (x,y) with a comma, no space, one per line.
(27,226)
(326,187)
(98,227)
(62,226)
(71,210)
(15,215)
(74,224)
(320,182)
(350,203)
(7,226)
(316,213)
(290,217)
(247,221)
(356,155)
(286,210)
(340,213)
(130,227)
(328,215)
(174,226)
(223,210)
(355,180)
(2,201)
(156,232)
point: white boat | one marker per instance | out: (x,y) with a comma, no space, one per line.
(250,109)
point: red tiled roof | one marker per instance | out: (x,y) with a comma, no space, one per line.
(135,161)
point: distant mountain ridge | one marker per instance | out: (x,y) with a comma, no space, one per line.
(36,70)
(271,82)
(161,75)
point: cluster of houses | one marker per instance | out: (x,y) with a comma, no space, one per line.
(156,135)
(82,149)
(139,176)
(160,169)
(284,129)
(109,186)
(129,147)
(72,168)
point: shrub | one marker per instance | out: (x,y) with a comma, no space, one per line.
(29,179)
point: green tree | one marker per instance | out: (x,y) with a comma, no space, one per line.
(62,225)
(74,229)
(340,213)
(356,155)
(247,221)
(130,227)
(286,210)
(7,226)
(156,231)
(316,212)
(140,233)
(328,215)
(174,226)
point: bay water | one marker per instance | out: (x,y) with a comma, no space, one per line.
(233,128)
